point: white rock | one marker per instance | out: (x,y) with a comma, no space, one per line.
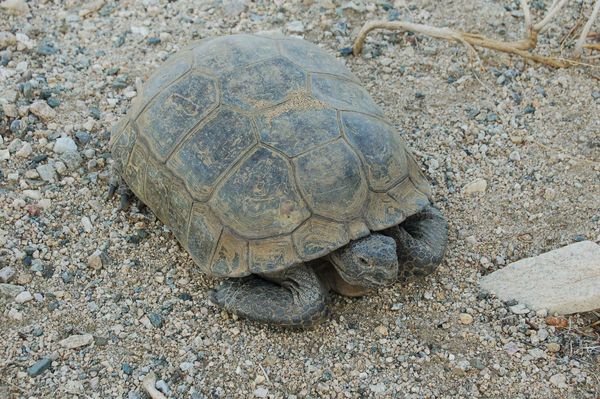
(47,172)
(95,260)
(15,7)
(261,392)
(64,144)
(74,387)
(42,110)
(536,353)
(377,388)
(6,274)
(60,167)
(559,380)
(476,186)
(24,41)
(10,110)
(24,296)
(7,39)
(10,290)
(519,309)
(10,95)
(31,174)
(295,27)
(76,341)
(44,203)
(542,334)
(15,145)
(22,67)
(86,224)
(564,281)
(140,30)
(185,366)
(33,194)
(24,151)
(4,155)
(15,314)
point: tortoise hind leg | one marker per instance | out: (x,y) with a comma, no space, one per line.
(291,298)
(420,243)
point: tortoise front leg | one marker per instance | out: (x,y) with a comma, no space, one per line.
(116,184)
(420,243)
(291,298)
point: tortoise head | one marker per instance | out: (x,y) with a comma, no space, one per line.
(369,262)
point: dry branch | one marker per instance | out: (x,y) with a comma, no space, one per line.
(471,40)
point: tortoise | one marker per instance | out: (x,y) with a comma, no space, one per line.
(276,171)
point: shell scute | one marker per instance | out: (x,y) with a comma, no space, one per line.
(260,198)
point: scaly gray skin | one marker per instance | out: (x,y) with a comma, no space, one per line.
(297,297)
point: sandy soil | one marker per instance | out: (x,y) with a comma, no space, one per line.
(69,69)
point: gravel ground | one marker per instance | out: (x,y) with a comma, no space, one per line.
(106,298)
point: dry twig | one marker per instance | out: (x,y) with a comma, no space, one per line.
(471,40)
(586,29)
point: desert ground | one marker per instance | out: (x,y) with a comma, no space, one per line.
(105,298)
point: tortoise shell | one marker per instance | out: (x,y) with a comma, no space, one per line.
(262,152)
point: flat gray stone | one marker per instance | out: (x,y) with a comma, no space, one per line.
(10,291)
(6,274)
(47,172)
(564,281)
(39,367)
(76,341)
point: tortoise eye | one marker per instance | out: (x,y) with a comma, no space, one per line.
(363,261)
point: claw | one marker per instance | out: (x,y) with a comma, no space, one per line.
(112,189)
(123,201)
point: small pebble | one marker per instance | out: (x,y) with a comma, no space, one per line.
(382,330)
(25,151)
(4,155)
(76,341)
(552,347)
(39,367)
(465,318)
(153,41)
(6,274)
(86,224)
(42,110)
(15,314)
(53,102)
(155,319)
(47,172)
(515,156)
(185,366)
(377,388)
(519,309)
(64,145)
(476,186)
(261,392)
(23,297)
(83,137)
(7,39)
(127,369)
(162,386)
(559,380)
(95,260)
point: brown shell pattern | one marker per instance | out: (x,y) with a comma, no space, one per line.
(263,152)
